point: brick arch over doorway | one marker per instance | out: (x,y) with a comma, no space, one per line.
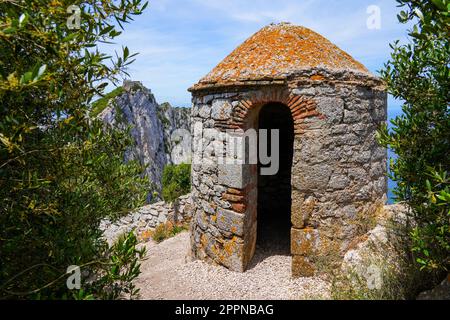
(301,108)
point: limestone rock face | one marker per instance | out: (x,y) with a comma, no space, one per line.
(177,124)
(161,133)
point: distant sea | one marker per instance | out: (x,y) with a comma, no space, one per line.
(392,113)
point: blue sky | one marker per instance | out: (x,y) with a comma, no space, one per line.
(179,41)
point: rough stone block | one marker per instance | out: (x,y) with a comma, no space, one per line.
(249,244)
(232,254)
(230,221)
(301,210)
(306,177)
(304,241)
(204,111)
(221,110)
(234,175)
(338,181)
(351,116)
(301,267)
(202,220)
(332,108)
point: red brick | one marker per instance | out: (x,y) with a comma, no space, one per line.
(238,207)
(232,197)
(234,191)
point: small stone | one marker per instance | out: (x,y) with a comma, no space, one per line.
(338,181)
(304,241)
(204,111)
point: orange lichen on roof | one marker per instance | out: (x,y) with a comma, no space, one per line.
(277,51)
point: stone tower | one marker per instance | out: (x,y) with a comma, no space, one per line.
(331,173)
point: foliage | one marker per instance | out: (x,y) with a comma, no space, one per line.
(383,270)
(100,104)
(418,73)
(61,172)
(176,181)
(167,230)
(162,108)
(121,267)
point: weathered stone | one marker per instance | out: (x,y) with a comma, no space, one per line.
(304,241)
(219,190)
(148,216)
(232,175)
(207,207)
(221,110)
(230,221)
(223,204)
(302,267)
(204,111)
(338,181)
(333,107)
(232,254)
(351,116)
(311,177)
(202,220)
(301,210)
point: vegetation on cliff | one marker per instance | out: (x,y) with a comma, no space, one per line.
(100,104)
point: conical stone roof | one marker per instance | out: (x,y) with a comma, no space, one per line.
(278,51)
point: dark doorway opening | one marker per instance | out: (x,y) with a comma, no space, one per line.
(274,191)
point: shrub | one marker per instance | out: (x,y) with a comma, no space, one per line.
(167,230)
(176,181)
(61,172)
(114,278)
(382,267)
(418,73)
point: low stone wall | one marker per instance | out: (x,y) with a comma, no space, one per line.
(148,217)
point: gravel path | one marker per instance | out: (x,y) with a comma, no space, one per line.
(167,275)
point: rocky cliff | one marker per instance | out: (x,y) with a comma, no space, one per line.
(160,132)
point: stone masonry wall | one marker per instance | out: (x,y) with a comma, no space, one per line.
(148,217)
(338,172)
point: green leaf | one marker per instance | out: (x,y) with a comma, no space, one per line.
(70,37)
(26,77)
(9,30)
(440,4)
(106,30)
